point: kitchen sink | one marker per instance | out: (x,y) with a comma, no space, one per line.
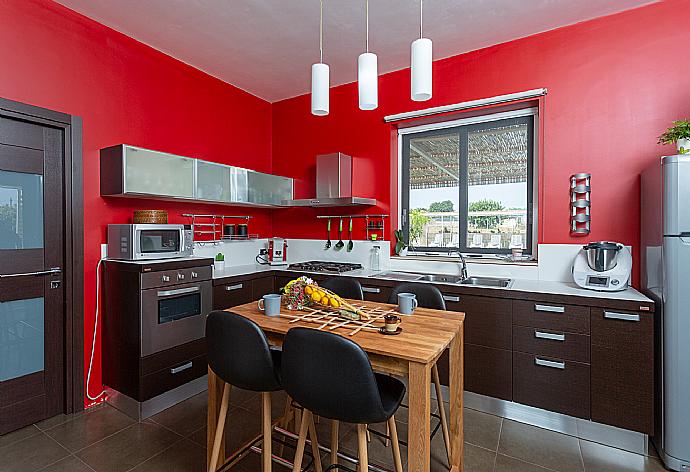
(486,282)
(444,278)
(398,275)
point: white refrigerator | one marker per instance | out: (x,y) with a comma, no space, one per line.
(665,251)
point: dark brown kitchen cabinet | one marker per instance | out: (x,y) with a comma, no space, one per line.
(236,292)
(549,315)
(376,293)
(552,384)
(488,371)
(623,369)
(262,286)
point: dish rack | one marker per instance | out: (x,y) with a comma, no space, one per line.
(209,228)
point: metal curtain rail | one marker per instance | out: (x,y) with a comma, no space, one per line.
(511,97)
(344,217)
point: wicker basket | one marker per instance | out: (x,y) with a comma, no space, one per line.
(152,217)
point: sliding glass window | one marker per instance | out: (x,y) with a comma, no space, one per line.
(469,188)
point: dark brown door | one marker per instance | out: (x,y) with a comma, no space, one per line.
(31,258)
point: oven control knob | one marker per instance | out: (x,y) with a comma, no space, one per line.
(194,275)
(165,278)
(180,276)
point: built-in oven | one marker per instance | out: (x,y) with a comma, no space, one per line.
(174,306)
(148,241)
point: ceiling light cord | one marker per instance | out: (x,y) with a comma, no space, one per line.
(321,34)
(367,9)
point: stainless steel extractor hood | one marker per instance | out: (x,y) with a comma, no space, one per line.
(333,184)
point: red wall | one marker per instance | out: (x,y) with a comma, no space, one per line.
(614,84)
(129,93)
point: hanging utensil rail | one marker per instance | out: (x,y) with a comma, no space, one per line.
(212,225)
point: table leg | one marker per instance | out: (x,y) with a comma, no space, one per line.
(419,430)
(215,396)
(456,402)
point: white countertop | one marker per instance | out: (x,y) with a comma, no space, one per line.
(521,285)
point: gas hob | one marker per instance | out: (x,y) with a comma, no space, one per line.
(325,266)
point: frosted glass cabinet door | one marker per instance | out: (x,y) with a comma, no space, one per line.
(21,210)
(21,338)
(158,173)
(213,182)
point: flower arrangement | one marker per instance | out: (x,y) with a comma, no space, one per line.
(293,293)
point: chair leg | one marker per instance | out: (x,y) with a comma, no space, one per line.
(441,410)
(220,427)
(314,445)
(368,435)
(301,441)
(387,441)
(392,427)
(266,455)
(363,452)
(334,442)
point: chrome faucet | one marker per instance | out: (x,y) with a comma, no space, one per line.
(463,265)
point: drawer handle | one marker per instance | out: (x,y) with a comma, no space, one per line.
(549,308)
(550,336)
(371,290)
(612,315)
(230,288)
(178,291)
(451,298)
(547,363)
(177,370)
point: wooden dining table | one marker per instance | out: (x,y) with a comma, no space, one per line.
(425,335)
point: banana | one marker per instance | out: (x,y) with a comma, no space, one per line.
(327,298)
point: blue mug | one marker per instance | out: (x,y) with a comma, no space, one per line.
(270,304)
(407,303)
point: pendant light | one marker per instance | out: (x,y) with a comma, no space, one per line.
(367,75)
(421,84)
(320,78)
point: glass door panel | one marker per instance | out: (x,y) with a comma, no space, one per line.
(21,338)
(21,210)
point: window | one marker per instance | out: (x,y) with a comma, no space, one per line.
(468,186)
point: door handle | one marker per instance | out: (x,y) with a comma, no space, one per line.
(451,298)
(549,308)
(179,291)
(52,270)
(371,290)
(550,336)
(622,316)
(230,288)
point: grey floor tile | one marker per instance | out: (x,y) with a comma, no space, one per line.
(183,456)
(482,429)
(68,464)
(30,454)
(55,421)
(539,446)
(185,417)
(510,464)
(599,458)
(475,459)
(18,435)
(128,448)
(199,436)
(89,427)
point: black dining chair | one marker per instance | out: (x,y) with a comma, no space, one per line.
(239,354)
(331,376)
(430,297)
(346,287)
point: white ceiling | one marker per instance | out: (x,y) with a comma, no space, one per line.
(266,47)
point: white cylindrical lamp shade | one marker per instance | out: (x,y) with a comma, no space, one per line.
(368,81)
(421,84)
(320,84)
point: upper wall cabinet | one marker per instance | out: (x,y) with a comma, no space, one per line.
(129,171)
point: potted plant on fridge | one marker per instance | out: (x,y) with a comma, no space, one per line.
(679,133)
(219,262)
(400,246)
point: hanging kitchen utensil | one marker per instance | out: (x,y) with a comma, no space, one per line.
(328,243)
(350,244)
(339,245)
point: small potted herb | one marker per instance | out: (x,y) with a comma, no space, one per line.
(400,246)
(219,262)
(679,133)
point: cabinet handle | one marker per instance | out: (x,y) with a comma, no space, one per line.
(178,369)
(549,308)
(550,336)
(451,298)
(547,363)
(612,315)
(230,288)
(371,290)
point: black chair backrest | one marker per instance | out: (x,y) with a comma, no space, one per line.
(239,354)
(331,376)
(346,287)
(428,296)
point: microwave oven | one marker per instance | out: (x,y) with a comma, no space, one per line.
(144,242)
